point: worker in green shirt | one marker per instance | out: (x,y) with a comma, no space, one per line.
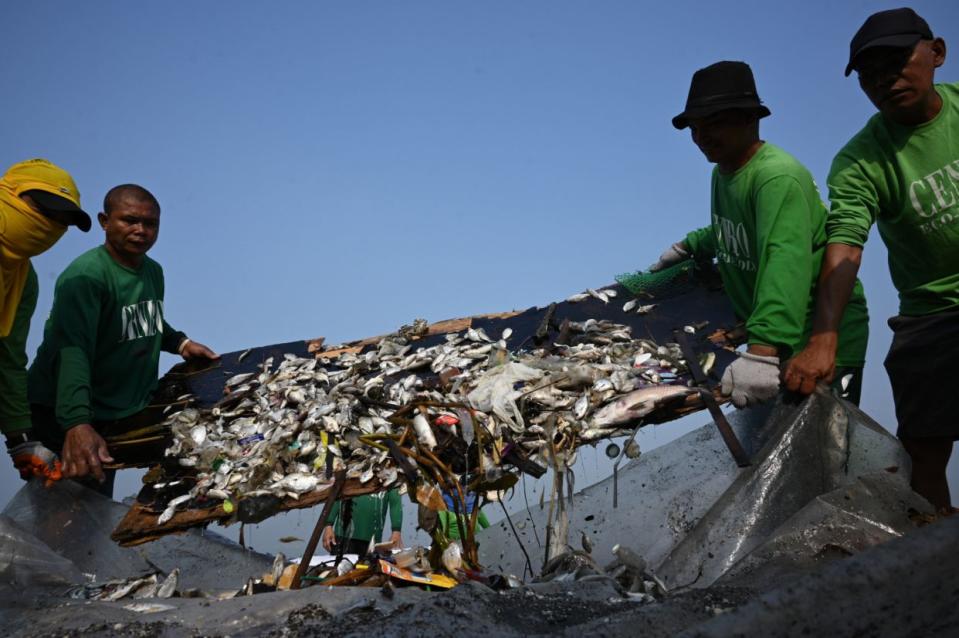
(38,200)
(353,531)
(767,234)
(450,524)
(97,364)
(901,172)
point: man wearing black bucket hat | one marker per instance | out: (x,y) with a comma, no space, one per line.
(767,233)
(901,171)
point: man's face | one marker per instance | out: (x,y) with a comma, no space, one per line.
(898,81)
(722,136)
(131,228)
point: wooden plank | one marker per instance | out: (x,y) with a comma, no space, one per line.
(140,523)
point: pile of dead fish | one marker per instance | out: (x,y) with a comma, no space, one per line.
(276,430)
(152,586)
(628,570)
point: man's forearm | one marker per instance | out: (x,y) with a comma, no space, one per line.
(837,278)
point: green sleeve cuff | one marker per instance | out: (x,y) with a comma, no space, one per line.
(171,340)
(700,243)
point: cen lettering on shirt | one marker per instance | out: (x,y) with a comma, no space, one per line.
(143,319)
(935,195)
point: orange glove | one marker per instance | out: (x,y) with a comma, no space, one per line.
(32,458)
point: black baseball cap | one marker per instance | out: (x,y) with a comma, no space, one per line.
(46,200)
(899,28)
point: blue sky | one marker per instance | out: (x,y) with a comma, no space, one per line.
(338,169)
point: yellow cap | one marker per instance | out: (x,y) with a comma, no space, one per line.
(41,175)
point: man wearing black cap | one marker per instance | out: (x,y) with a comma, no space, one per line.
(38,200)
(767,234)
(900,171)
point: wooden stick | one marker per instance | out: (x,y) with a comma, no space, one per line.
(338,480)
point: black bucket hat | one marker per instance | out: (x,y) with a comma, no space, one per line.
(900,28)
(719,87)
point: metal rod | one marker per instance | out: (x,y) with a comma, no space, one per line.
(699,378)
(339,478)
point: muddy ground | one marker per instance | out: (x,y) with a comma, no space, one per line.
(907,587)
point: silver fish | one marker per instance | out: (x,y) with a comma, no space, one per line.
(424,433)
(599,294)
(636,404)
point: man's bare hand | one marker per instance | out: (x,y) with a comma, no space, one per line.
(194,350)
(397,540)
(84,452)
(328,538)
(817,362)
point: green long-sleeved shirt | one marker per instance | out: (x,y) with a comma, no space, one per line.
(450,525)
(768,236)
(906,180)
(369,516)
(14,408)
(101,344)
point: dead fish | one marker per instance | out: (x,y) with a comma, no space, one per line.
(507,333)
(168,586)
(424,433)
(636,404)
(452,558)
(238,379)
(171,508)
(345,566)
(279,564)
(577,297)
(707,362)
(477,334)
(609,292)
(148,608)
(243,355)
(629,305)
(581,406)
(296,483)
(642,310)
(124,589)
(599,294)
(641,358)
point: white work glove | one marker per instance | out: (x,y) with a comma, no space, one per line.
(751,379)
(673,255)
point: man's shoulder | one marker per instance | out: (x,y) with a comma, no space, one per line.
(949,90)
(778,163)
(89,265)
(866,142)
(151,265)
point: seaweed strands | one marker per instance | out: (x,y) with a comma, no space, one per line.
(467,405)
